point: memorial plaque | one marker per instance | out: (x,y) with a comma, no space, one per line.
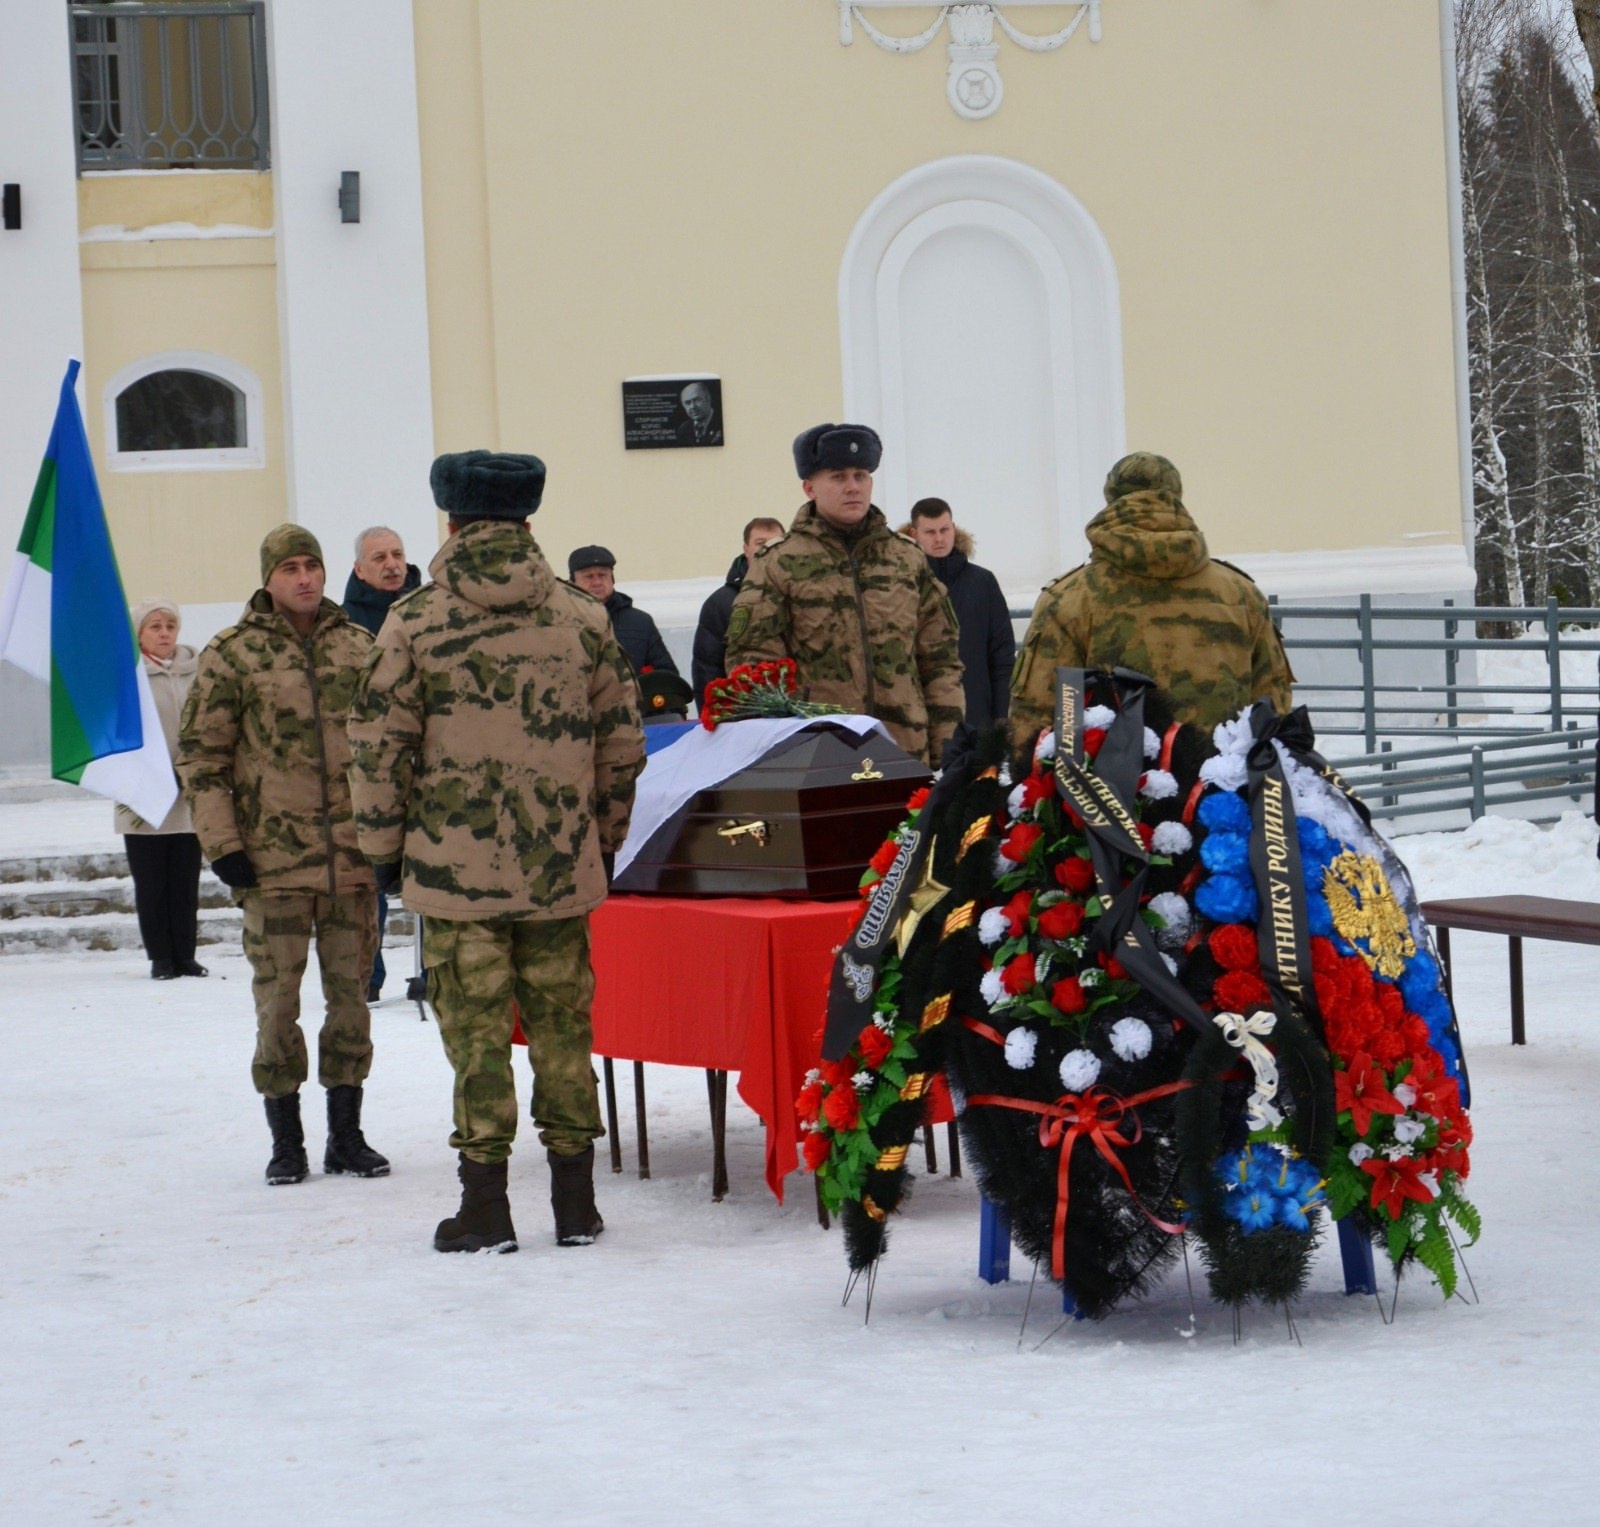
(664,413)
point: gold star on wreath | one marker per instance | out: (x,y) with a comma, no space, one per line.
(1366,913)
(927,894)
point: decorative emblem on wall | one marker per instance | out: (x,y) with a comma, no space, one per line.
(972,84)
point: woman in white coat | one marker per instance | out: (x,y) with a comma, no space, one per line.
(165,860)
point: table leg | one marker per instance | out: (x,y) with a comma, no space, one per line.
(717,1095)
(611,1114)
(994,1243)
(822,1208)
(953,1140)
(638,1108)
(931,1150)
(1519,1035)
(1444,960)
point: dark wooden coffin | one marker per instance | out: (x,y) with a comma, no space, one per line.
(803,822)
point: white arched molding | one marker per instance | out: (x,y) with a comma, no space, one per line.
(1052,232)
(248,455)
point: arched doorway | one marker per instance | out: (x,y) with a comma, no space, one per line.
(981,331)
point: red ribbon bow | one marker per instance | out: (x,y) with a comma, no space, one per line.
(1104,1118)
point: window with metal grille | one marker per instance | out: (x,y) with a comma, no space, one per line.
(179,85)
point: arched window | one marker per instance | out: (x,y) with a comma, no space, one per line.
(181,411)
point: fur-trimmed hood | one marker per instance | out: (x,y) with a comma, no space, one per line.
(964,542)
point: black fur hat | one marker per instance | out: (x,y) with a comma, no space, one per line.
(826,447)
(492,485)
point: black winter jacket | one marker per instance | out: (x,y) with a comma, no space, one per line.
(368,606)
(988,647)
(637,636)
(711,635)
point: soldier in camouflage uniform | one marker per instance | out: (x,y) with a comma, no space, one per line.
(263,758)
(497,739)
(1151,599)
(853,603)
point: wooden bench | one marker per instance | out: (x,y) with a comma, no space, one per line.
(1517,918)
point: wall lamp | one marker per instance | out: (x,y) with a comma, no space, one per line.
(11,205)
(350,196)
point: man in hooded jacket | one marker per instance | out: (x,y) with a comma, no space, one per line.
(496,741)
(1152,599)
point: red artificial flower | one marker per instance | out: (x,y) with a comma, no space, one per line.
(837,1073)
(1075,874)
(816,1150)
(1092,739)
(1016,911)
(809,1104)
(1393,1182)
(1067,996)
(1388,1048)
(1233,946)
(1360,1089)
(1017,843)
(1062,920)
(1035,788)
(1241,991)
(1437,1093)
(885,856)
(842,1108)
(919,799)
(874,1045)
(1114,968)
(1018,976)
(1146,833)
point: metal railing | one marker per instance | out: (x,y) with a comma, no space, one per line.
(1419,685)
(176,86)
(1478,777)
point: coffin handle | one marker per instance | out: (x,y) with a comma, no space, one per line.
(737,831)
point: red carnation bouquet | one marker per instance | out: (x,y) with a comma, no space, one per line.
(752,690)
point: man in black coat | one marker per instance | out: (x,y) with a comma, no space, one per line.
(381,576)
(988,645)
(593,569)
(711,635)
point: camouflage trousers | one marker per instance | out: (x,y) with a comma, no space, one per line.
(480,974)
(278,929)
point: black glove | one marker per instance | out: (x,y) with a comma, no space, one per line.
(235,870)
(388,873)
(608,862)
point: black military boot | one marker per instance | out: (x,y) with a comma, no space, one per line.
(483,1222)
(578,1222)
(348,1154)
(288,1162)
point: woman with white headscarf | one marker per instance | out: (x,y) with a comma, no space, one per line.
(165,860)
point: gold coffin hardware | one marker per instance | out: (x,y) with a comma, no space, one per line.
(866,771)
(733,831)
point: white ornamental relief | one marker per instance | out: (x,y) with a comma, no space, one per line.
(972,83)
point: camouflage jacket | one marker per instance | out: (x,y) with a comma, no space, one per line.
(1151,599)
(262,753)
(868,625)
(496,736)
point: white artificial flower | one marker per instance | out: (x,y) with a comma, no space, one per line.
(1002,865)
(1171,839)
(1429,1180)
(1021,1046)
(993,926)
(1090,978)
(1360,1152)
(884,1022)
(1152,745)
(1408,1129)
(813,1076)
(1226,771)
(1173,910)
(1005,774)
(1014,801)
(1234,736)
(1168,961)
(1158,785)
(1397,1152)
(1130,1038)
(1405,1093)
(863,1081)
(1046,746)
(991,988)
(1098,718)
(1080,1070)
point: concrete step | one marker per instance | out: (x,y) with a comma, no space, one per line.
(120,930)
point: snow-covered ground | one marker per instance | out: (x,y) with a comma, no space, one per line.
(180,1343)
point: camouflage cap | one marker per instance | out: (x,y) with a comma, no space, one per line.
(285,542)
(1144,472)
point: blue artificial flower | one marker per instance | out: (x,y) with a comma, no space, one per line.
(1315,844)
(1254,1210)
(1225,853)
(1318,918)
(1228,899)
(1223,811)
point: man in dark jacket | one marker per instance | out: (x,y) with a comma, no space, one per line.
(381,576)
(593,569)
(988,646)
(711,635)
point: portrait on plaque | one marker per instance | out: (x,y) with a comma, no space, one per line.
(670,412)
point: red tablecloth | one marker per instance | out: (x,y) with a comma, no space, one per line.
(731,984)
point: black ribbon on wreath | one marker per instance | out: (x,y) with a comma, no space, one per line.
(1100,798)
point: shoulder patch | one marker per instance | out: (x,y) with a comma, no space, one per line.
(738,623)
(1062,578)
(771,545)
